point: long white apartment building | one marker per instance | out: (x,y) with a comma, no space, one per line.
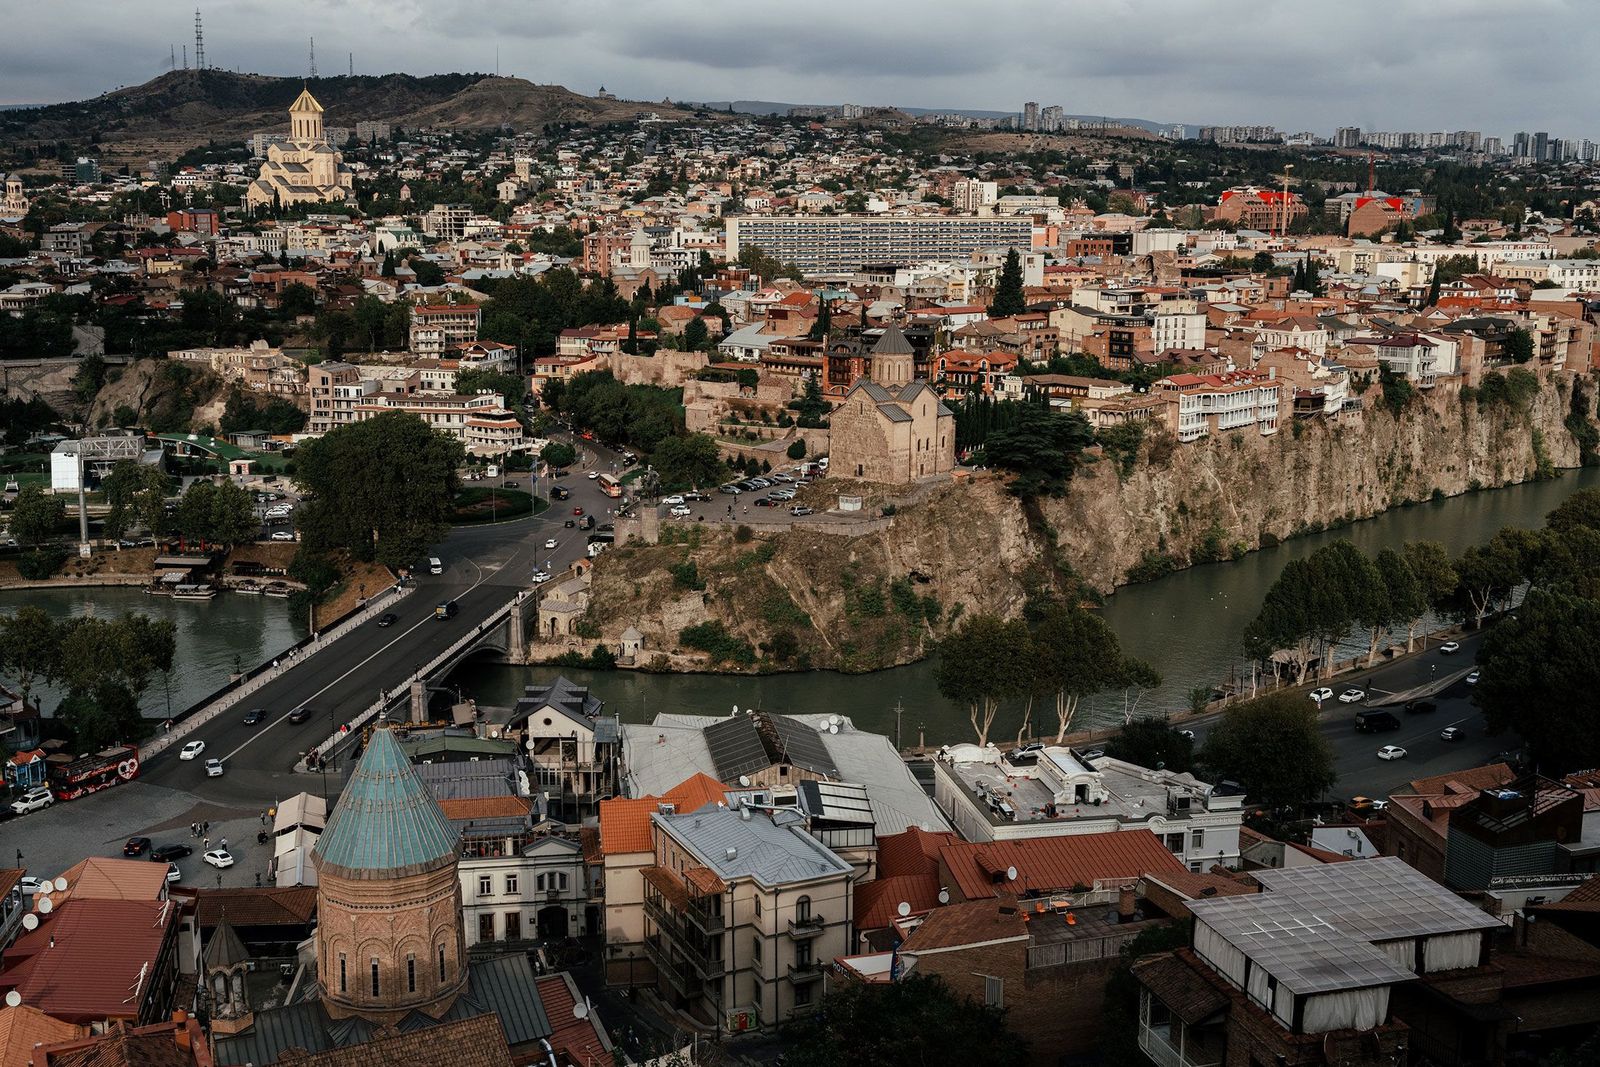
(821,243)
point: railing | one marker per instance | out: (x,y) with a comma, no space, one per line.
(704,963)
(805,972)
(1080,950)
(809,926)
(657,955)
(1155,1044)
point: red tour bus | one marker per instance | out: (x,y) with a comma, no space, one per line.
(90,774)
(609,485)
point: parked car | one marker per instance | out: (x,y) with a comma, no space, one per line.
(34,799)
(1420,707)
(32,887)
(767,502)
(801,509)
(675,498)
(192,749)
(1452,733)
(283,535)
(696,495)
(682,511)
(387,619)
(1450,648)
(213,768)
(1319,695)
(1352,696)
(173,874)
(136,846)
(300,714)
(1391,752)
(219,858)
(730,489)
(168,853)
(1092,754)
(254,716)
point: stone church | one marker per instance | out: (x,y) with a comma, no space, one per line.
(305,168)
(891,427)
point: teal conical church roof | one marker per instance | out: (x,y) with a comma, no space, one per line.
(387,824)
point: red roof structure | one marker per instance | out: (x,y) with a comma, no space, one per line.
(574,1040)
(1054,864)
(93,961)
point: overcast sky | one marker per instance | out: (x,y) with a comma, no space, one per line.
(1378,64)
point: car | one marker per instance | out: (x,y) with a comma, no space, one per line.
(1452,733)
(32,887)
(300,714)
(800,509)
(446,611)
(1319,695)
(569,524)
(1352,696)
(283,535)
(696,495)
(136,846)
(560,492)
(168,853)
(1364,804)
(784,495)
(605,527)
(540,576)
(255,716)
(387,619)
(577,511)
(730,489)
(1187,733)
(1450,648)
(213,768)
(592,475)
(1391,752)
(767,502)
(219,858)
(1093,753)
(682,511)
(192,749)
(510,483)
(761,483)
(1473,676)
(173,874)
(629,458)
(550,543)
(780,477)
(1372,722)
(675,498)
(1420,707)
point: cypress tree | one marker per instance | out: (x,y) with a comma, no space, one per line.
(1008,298)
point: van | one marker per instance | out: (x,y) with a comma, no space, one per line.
(435,566)
(447,610)
(586,523)
(1371,722)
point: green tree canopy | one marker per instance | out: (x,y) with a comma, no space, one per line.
(36,517)
(136,494)
(1152,743)
(559,454)
(1272,747)
(1041,447)
(379,489)
(691,461)
(1008,295)
(982,662)
(1539,677)
(915,1022)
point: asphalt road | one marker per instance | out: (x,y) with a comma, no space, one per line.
(484,568)
(1361,772)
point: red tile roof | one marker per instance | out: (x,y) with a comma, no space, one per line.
(268,906)
(1466,780)
(574,1040)
(100,948)
(23,1027)
(878,901)
(916,851)
(1050,864)
(625,823)
(486,807)
(972,923)
(102,878)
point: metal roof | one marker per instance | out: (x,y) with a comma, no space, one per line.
(746,744)
(756,847)
(1381,899)
(836,801)
(1300,949)
(386,824)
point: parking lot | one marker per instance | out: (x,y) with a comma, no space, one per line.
(787,495)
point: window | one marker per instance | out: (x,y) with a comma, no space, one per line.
(994,991)
(562,878)
(802,954)
(802,994)
(344,986)
(802,910)
(511,883)
(411,974)
(441,963)
(485,885)
(486,927)
(538,883)
(758,905)
(755,949)
(375,985)
(1174,843)
(1197,838)
(513,925)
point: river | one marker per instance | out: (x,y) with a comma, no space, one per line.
(1188,624)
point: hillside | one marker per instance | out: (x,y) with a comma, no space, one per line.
(183,108)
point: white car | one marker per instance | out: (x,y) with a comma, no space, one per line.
(592,475)
(1472,678)
(173,874)
(1319,695)
(540,576)
(281,511)
(550,544)
(213,768)
(32,887)
(283,535)
(682,511)
(1391,752)
(1352,696)
(1450,648)
(34,799)
(192,749)
(219,858)
(675,498)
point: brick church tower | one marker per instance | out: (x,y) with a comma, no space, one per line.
(389,938)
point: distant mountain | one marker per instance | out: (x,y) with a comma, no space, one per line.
(773,107)
(186,107)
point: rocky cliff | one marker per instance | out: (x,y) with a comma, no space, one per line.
(860,603)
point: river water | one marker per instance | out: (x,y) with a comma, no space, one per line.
(1188,624)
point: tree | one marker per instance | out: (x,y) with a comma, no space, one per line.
(136,494)
(233,515)
(380,489)
(824,324)
(1075,654)
(689,462)
(796,449)
(980,665)
(1581,509)
(1539,677)
(1152,743)
(1406,600)
(299,298)
(30,647)
(1008,296)
(811,407)
(914,1022)
(1041,447)
(1519,346)
(36,517)
(695,334)
(1434,571)
(1273,748)
(1487,574)
(194,516)
(559,454)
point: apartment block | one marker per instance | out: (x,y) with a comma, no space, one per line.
(822,243)
(1223,403)
(437,327)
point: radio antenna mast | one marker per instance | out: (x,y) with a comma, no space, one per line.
(199,43)
(313,57)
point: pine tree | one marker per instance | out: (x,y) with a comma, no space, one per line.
(824,323)
(1008,298)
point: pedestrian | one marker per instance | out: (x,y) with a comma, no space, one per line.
(206,844)
(205,827)
(258,879)
(224,844)
(263,818)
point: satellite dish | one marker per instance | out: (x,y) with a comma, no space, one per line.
(13,999)
(902,909)
(45,905)
(833,728)
(744,780)
(30,921)
(944,896)
(1011,874)
(61,884)
(736,709)
(580,1010)
(833,720)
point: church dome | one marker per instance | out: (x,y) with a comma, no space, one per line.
(387,823)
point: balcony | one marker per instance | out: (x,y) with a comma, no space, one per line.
(809,971)
(1156,1042)
(807,926)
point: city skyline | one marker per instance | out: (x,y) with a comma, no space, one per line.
(940,56)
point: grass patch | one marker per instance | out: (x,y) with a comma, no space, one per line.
(484,504)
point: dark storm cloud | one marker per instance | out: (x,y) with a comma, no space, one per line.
(1400,64)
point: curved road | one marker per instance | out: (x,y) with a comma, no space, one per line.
(485,566)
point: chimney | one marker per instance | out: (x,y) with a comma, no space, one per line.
(1126,903)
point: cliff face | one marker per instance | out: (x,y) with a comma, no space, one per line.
(873,601)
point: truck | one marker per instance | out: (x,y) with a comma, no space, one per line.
(1372,722)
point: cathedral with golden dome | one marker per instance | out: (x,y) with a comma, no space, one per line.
(305,168)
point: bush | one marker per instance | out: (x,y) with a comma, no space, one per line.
(796,450)
(743,534)
(713,638)
(1151,565)
(686,575)
(41,563)
(559,455)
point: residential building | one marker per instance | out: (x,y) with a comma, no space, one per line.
(334,390)
(573,750)
(821,243)
(259,367)
(517,885)
(305,168)
(1054,792)
(481,421)
(1224,403)
(971,195)
(1259,209)
(447,222)
(435,328)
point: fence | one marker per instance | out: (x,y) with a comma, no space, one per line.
(1079,950)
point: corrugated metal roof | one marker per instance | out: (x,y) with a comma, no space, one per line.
(756,847)
(386,823)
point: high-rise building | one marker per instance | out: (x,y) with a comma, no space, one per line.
(1521,145)
(1050,119)
(1541,146)
(818,243)
(1347,137)
(1030,115)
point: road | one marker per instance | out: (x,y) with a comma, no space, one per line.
(485,566)
(1361,772)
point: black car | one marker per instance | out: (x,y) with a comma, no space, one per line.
(168,853)
(1420,707)
(511,484)
(570,523)
(560,492)
(388,618)
(696,495)
(136,846)
(254,715)
(300,714)
(1372,722)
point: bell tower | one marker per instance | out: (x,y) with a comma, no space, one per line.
(305,118)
